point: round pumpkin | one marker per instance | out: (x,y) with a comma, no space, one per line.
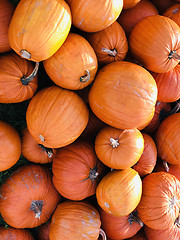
(92,15)
(35,152)
(38,28)
(123,95)
(15,234)
(155,42)
(18,80)
(10,146)
(119,149)
(75,220)
(167,139)
(6,12)
(119,192)
(28,197)
(173,12)
(160,201)
(76,171)
(74,65)
(109,44)
(56,117)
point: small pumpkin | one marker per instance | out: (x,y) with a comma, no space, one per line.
(119,149)
(15,234)
(38,28)
(28,197)
(119,192)
(76,220)
(56,117)
(10,146)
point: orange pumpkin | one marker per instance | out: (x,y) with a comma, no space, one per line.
(173,12)
(38,28)
(119,149)
(56,117)
(160,201)
(109,44)
(119,192)
(92,15)
(6,12)
(168,139)
(74,65)
(18,80)
(15,234)
(76,171)
(147,161)
(130,3)
(28,197)
(75,220)
(33,151)
(155,42)
(123,95)
(10,146)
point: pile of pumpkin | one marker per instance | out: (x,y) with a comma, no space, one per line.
(102,140)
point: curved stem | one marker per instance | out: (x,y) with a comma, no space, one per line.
(165,164)
(173,54)
(164,113)
(102,233)
(25,54)
(133,217)
(110,52)
(25,80)
(86,77)
(48,151)
(36,206)
(177,222)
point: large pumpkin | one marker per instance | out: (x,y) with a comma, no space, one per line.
(124,95)
(15,234)
(28,197)
(155,42)
(10,142)
(39,27)
(56,117)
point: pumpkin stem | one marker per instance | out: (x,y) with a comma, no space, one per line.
(165,164)
(164,114)
(36,206)
(25,54)
(177,222)
(25,80)
(114,142)
(110,52)
(86,77)
(133,217)
(48,151)
(93,174)
(102,233)
(173,54)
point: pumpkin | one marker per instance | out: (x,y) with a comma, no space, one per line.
(56,117)
(173,13)
(76,171)
(155,42)
(28,197)
(159,205)
(130,3)
(120,227)
(6,12)
(92,15)
(33,151)
(38,28)
(15,234)
(119,192)
(10,146)
(119,149)
(109,44)
(75,220)
(123,95)
(20,78)
(74,65)
(130,17)
(168,85)
(167,139)
(163,5)
(43,231)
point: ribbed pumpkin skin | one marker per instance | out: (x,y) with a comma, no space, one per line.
(12,69)
(6,12)
(74,171)
(160,201)
(173,13)
(15,234)
(168,139)
(56,117)
(40,27)
(152,40)
(10,142)
(69,64)
(28,184)
(75,220)
(92,15)
(124,95)
(119,192)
